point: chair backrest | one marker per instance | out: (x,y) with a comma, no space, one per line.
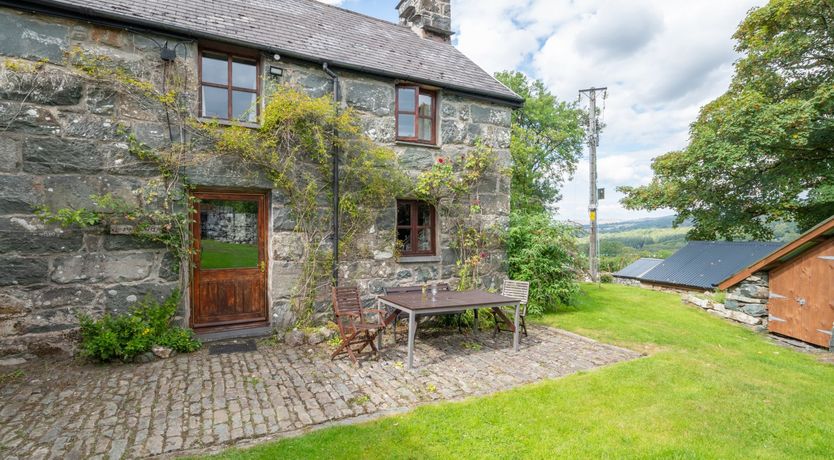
(401,289)
(345,300)
(519,290)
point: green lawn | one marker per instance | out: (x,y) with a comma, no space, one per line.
(217,254)
(708,389)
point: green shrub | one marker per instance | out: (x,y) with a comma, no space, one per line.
(606,277)
(543,252)
(123,337)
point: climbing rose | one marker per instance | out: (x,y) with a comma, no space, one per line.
(440,160)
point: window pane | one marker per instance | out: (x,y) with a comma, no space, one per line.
(404,214)
(215,69)
(405,125)
(426,128)
(244,74)
(228,234)
(243,106)
(215,102)
(424,214)
(405,99)
(404,237)
(424,240)
(425,105)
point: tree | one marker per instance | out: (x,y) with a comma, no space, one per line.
(764,151)
(547,137)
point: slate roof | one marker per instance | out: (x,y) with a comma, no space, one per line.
(704,264)
(638,268)
(306,29)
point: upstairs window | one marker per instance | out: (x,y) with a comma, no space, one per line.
(229,87)
(416,224)
(416,114)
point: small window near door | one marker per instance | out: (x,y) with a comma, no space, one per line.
(416,223)
(229,87)
(416,114)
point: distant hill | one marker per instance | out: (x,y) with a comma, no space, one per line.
(636,224)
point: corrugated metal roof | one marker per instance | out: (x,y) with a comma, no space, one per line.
(638,268)
(308,29)
(704,264)
(810,239)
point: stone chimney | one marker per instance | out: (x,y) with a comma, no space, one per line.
(431,19)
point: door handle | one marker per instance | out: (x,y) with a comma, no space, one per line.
(262,266)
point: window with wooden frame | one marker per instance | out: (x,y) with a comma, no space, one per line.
(416,227)
(229,86)
(416,114)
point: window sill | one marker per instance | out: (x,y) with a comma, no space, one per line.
(223,122)
(419,259)
(418,144)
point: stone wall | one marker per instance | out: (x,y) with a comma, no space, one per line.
(745,302)
(627,281)
(59,144)
(750,297)
(462,121)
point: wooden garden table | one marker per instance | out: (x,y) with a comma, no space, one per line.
(415,304)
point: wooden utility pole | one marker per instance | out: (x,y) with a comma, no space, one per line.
(593,142)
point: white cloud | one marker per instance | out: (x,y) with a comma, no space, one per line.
(333,2)
(661,60)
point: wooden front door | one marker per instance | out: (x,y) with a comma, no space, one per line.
(228,288)
(802,296)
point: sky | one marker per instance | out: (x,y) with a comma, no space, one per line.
(661,60)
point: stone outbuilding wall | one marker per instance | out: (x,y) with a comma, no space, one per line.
(60,143)
(746,302)
(750,297)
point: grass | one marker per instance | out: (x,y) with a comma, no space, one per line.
(708,389)
(217,254)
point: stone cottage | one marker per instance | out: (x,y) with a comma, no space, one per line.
(60,144)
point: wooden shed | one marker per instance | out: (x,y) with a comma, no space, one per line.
(801,286)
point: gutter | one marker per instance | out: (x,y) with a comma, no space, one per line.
(335,185)
(120,21)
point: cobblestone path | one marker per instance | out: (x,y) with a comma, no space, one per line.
(201,401)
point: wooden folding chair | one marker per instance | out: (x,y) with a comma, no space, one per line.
(394,314)
(519,290)
(355,328)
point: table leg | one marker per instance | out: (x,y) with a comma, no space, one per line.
(412,331)
(517,331)
(381,330)
(475,323)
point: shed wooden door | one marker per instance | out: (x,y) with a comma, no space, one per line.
(228,288)
(802,296)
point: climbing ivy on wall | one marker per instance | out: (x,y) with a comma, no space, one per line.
(294,146)
(158,211)
(451,185)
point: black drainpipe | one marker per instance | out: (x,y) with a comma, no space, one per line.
(336,99)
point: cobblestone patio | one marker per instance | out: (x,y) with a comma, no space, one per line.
(199,402)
